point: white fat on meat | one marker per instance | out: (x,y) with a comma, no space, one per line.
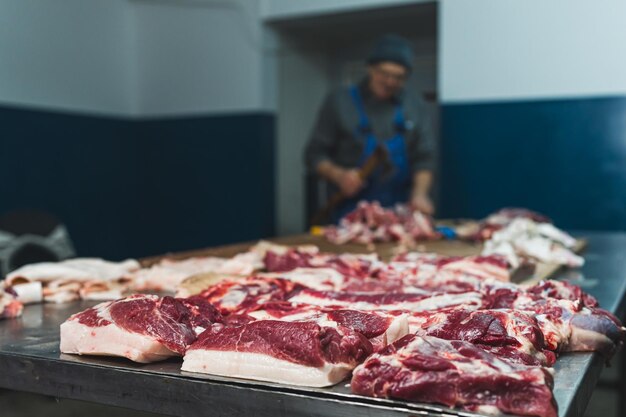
(79,269)
(102,291)
(235,297)
(110,340)
(168,273)
(553,233)
(264,246)
(77,338)
(9,306)
(549,252)
(540,241)
(242,264)
(555,335)
(142,328)
(261,367)
(62,291)
(62,282)
(398,326)
(29,293)
(484,270)
(323,279)
(434,302)
(502,248)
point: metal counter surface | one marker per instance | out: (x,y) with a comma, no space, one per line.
(30,361)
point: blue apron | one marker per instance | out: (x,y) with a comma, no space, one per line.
(390,188)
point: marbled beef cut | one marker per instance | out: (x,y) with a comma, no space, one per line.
(456,374)
(142,328)
(296,353)
(381,328)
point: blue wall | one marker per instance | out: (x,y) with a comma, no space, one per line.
(141,187)
(565,158)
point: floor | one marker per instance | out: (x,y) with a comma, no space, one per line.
(604,403)
(605,400)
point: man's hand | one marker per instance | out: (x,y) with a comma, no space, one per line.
(422,203)
(420,200)
(349,182)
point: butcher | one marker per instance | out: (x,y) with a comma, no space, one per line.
(376,114)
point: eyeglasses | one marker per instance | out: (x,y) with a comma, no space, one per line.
(397,77)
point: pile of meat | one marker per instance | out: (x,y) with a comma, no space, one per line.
(370,223)
(73,279)
(483,230)
(426,328)
(97,279)
(523,237)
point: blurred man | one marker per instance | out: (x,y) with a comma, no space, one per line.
(376,113)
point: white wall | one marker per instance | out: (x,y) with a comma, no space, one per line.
(514,49)
(281,9)
(69,55)
(304,81)
(199,57)
(136,57)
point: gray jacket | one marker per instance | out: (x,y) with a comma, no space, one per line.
(334,134)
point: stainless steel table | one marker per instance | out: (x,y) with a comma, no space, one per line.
(30,361)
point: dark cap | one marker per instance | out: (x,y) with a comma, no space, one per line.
(393,48)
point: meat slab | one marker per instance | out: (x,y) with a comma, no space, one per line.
(512,335)
(381,328)
(456,374)
(142,328)
(241,295)
(297,353)
(567,325)
(369,222)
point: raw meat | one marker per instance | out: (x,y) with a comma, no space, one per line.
(388,301)
(168,273)
(79,269)
(484,230)
(295,353)
(562,290)
(380,328)
(524,239)
(10,307)
(142,328)
(509,334)
(64,281)
(263,246)
(456,374)
(348,264)
(407,273)
(241,295)
(316,278)
(369,222)
(101,291)
(28,293)
(567,325)
(485,267)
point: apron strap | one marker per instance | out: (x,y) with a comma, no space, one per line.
(364,127)
(399,120)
